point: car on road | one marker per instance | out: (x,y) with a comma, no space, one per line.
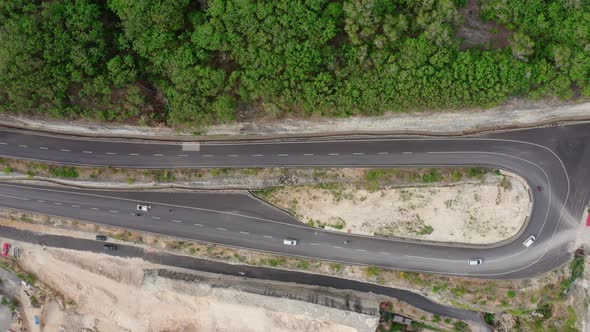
(475,261)
(110,247)
(5,249)
(529,241)
(290,242)
(143,207)
(101,238)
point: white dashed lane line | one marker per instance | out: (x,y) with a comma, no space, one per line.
(95,209)
(198,225)
(23,146)
(41,201)
(282,155)
(43,148)
(314,244)
(177,221)
(111,153)
(308,154)
(233,155)
(337,247)
(207,155)
(245,233)
(157,218)
(257,155)
(86,151)
(358,153)
(113,211)
(15,197)
(134,154)
(385,253)
(333,154)
(360,250)
(221,229)
(2,143)
(75,206)
(158,155)
(383,153)
(268,236)
(183,155)
(65,150)
(57,203)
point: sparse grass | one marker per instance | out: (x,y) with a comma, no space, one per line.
(439,288)
(511,294)
(372,271)
(505,183)
(489,318)
(456,176)
(130,180)
(458,291)
(336,267)
(7,170)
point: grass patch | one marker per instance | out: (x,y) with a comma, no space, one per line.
(29,278)
(433,175)
(425,230)
(511,294)
(64,172)
(576,271)
(439,288)
(302,264)
(476,172)
(489,318)
(456,176)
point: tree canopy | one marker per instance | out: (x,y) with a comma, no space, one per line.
(191,63)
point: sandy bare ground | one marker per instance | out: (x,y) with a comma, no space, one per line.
(482,213)
(113,294)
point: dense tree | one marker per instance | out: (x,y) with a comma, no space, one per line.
(189,62)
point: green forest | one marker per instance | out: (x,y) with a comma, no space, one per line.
(194,63)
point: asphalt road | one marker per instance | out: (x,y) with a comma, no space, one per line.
(192,263)
(550,158)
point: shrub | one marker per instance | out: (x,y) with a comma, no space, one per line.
(64,172)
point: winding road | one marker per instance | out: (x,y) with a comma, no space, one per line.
(552,158)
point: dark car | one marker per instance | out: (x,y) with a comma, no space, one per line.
(101,238)
(110,247)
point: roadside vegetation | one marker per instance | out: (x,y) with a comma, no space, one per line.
(192,63)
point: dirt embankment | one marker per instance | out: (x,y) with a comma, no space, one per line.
(513,114)
(107,293)
(487,212)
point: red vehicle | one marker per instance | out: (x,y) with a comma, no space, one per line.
(588,220)
(5,249)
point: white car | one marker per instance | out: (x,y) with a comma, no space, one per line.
(529,241)
(475,261)
(143,207)
(290,242)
